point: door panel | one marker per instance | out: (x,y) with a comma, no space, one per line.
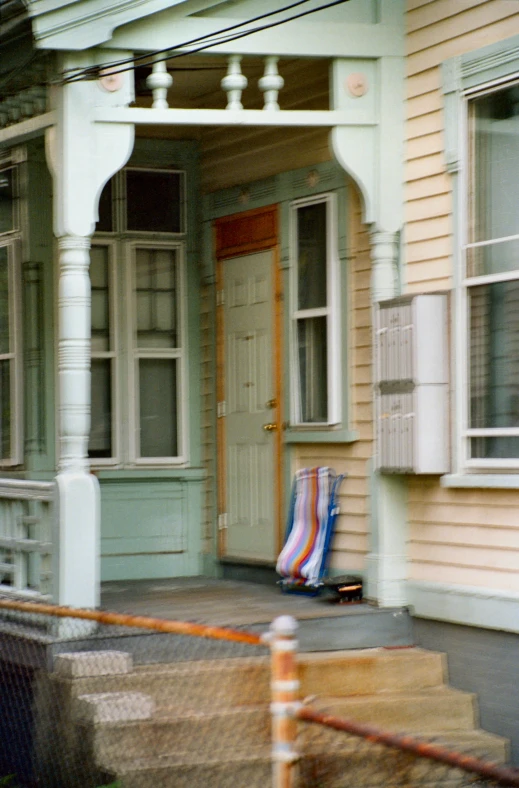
(249,363)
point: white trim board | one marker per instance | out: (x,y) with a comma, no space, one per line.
(468,605)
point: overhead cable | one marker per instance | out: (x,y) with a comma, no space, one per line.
(206,42)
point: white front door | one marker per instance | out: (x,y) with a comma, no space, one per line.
(251,446)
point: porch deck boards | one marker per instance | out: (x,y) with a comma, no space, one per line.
(217,602)
(322,626)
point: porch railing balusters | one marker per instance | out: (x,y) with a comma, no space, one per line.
(234,83)
(271,83)
(159,82)
(26,517)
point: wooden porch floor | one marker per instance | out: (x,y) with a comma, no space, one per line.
(219,602)
(322,625)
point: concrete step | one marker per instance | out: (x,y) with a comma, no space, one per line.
(198,734)
(368,671)
(239,682)
(189,685)
(357,763)
(244,770)
(422,710)
(346,760)
(315,739)
(207,722)
(172,730)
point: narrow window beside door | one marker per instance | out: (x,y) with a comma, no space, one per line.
(11,410)
(315,330)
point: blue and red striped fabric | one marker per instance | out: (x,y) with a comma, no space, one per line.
(302,556)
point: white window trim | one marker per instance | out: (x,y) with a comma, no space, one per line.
(331,311)
(113,354)
(134,354)
(464,432)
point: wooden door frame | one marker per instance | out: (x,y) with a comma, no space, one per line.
(234,236)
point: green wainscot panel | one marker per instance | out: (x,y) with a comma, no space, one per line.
(150,529)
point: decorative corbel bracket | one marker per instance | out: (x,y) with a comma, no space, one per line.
(83,154)
(371,91)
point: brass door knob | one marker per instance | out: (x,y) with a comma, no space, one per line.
(270,427)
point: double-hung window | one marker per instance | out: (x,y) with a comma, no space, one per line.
(11,411)
(315,309)
(491,277)
(138,344)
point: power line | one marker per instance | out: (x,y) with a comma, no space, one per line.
(208,36)
(209,41)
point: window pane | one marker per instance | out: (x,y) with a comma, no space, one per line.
(495,166)
(105,223)
(5,409)
(311,256)
(158,407)
(494,448)
(156,295)
(100,443)
(4,300)
(313,369)
(494,365)
(494,259)
(7,194)
(99,278)
(154,201)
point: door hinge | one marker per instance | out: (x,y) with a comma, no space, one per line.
(222,521)
(220,298)
(221,409)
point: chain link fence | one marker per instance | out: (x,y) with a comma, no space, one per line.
(91,699)
(341,753)
(88,703)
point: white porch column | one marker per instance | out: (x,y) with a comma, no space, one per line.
(387,560)
(372,92)
(82,155)
(74,353)
(79,503)
(384,265)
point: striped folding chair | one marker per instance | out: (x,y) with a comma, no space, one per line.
(311,520)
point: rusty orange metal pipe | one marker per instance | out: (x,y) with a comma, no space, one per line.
(138,622)
(285,701)
(501,775)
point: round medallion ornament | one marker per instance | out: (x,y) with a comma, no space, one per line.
(312,179)
(357,85)
(111,81)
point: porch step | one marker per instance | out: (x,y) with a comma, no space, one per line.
(241,682)
(237,729)
(442,708)
(352,762)
(208,723)
(197,734)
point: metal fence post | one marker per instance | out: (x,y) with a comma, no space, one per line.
(285,701)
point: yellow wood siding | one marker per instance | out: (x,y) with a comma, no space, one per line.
(351,542)
(468,537)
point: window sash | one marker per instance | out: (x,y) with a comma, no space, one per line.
(111,355)
(138,354)
(330,311)
(14,355)
(468,432)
